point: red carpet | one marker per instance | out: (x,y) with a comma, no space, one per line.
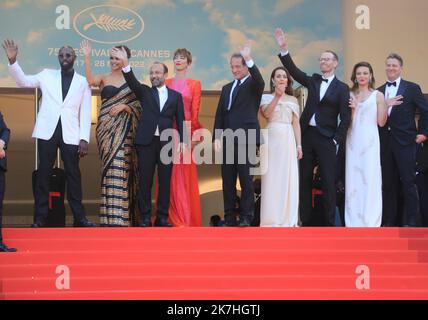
(216,263)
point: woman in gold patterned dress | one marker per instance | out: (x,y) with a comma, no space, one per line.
(115,132)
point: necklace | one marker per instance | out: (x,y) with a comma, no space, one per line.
(363,96)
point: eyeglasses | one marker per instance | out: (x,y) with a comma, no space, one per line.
(325,59)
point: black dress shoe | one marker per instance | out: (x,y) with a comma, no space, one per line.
(390,225)
(244,223)
(84,224)
(5,248)
(145,223)
(162,223)
(231,223)
(38,224)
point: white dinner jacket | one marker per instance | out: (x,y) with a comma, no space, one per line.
(74,111)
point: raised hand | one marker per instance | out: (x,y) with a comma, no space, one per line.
(121,55)
(281,39)
(11,50)
(85,45)
(245,50)
(113,53)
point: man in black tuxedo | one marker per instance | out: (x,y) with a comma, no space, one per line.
(160,107)
(4,140)
(398,140)
(237,114)
(327,99)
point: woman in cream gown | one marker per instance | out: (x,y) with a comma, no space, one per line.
(280,154)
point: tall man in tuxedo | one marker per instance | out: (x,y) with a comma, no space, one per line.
(64,122)
(4,140)
(237,109)
(327,99)
(398,140)
(160,107)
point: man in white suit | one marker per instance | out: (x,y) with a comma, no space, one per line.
(64,122)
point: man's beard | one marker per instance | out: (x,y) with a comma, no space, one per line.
(67,66)
(157,83)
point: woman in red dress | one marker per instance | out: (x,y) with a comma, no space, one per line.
(185,206)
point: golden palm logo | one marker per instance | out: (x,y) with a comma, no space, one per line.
(108,23)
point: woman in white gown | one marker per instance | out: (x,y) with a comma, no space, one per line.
(363,177)
(280,153)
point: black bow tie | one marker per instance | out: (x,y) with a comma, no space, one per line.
(325,80)
(391,84)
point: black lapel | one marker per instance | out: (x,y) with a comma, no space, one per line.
(402,87)
(239,89)
(400,91)
(228,91)
(165,106)
(318,80)
(155,96)
(236,96)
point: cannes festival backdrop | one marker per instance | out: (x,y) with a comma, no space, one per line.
(211,29)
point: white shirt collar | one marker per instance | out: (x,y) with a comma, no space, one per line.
(329,78)
(163,88)
(397,81)
(243,79)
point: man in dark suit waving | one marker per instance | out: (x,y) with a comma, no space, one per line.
(399,138)
(237,114)
(160,107)
(4,140)
(327,99)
